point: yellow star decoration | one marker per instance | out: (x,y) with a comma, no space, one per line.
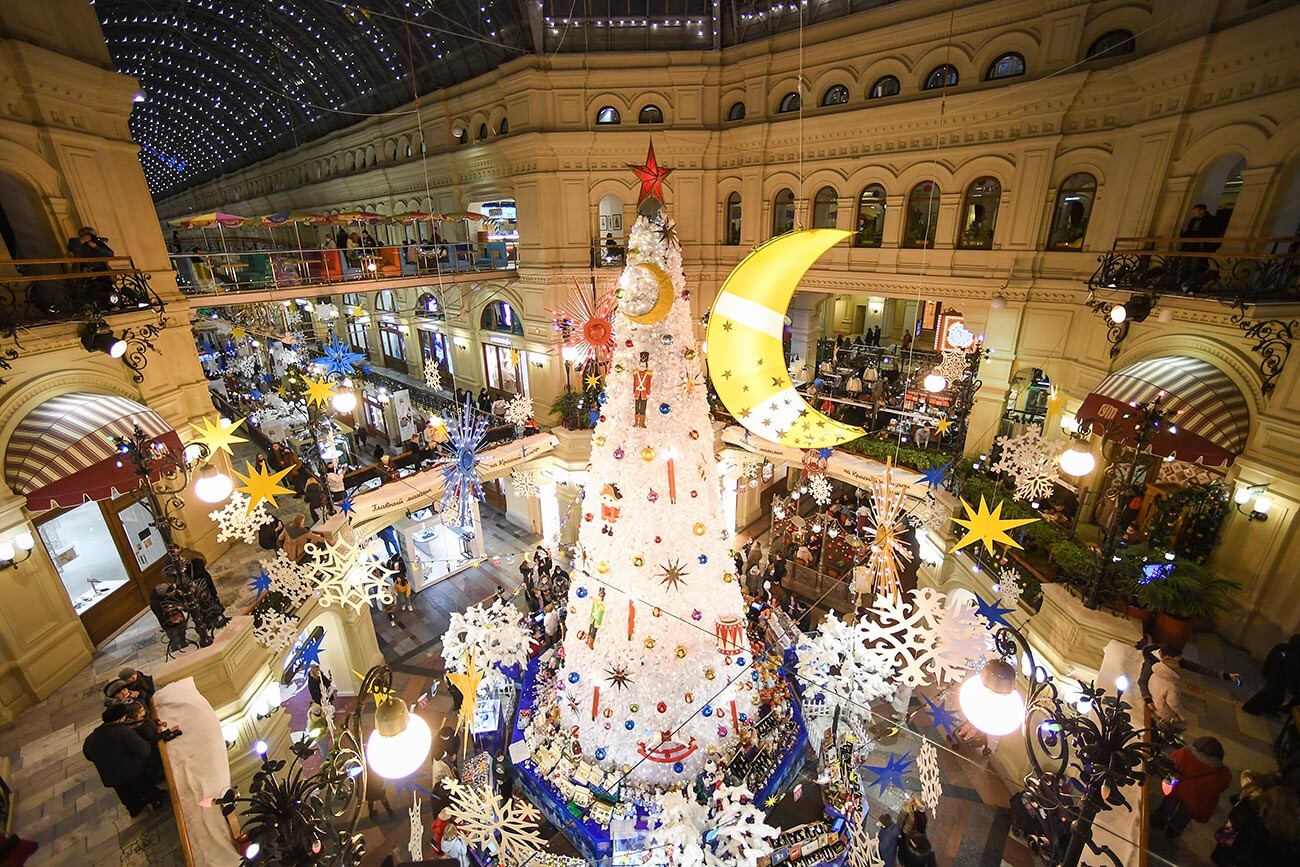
(467,683)
(941,426)
(988,527)
(593,381)
(318,390)
(217,436)
(262,486)
(1054,400)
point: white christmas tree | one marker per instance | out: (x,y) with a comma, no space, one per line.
(655,647)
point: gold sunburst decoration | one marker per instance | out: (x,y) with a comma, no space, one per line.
(585,324)
(887,551)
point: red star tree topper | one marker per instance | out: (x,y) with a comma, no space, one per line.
(651,176)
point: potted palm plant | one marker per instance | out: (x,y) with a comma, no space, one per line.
(1188,596)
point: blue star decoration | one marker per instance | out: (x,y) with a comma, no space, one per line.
(825,454)
(934,476)
(309,651)
(339,358)
(460,471)
(346,506)
(994,613)
(261,582)
(593,416)
(942,716)
(891,773)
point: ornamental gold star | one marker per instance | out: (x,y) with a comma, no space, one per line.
(262,486)
(217,436)
(988,527)
(673,574)
(467,683)
(942,425)
(318,391)
(593,381)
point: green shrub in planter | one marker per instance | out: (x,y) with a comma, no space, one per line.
(1189,592)
(1074,560)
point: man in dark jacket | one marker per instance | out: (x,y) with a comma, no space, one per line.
(124,761)
(88,245)
(138,682)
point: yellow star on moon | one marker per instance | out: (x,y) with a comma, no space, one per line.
(262,486)
(319,391)
(467,683)
(988,527)
(217,436)
(747,323)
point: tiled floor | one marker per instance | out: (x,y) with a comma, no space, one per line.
(61,803)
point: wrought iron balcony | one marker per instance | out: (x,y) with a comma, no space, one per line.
(41,291)
(1236,271)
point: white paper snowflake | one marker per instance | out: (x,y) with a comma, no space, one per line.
(432,375)
(927,766)
(288,578)
(963,639)
(519,410)
(510,828)
(234,521)
(953,365)
(904,632)
(864,847)
(525,484)
(275,630)
(243,365)
(368,580)
(838,669)
(1029,460)
(819,488)
(1009,588)
(415,844)
(333,559)
(494,636)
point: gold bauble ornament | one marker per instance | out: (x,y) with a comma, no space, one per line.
(600,440)
(727,577)
(709,673)
(649,644)
(680,651)
(638,560)
(647,454)
(618,368)
(602,567)
(699,529)
(689,354)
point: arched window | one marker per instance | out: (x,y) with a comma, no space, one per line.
(463,137)
(408,151)
(608,116)
(886,86)
(733,219)
(482,131)
(386,300)
(825,208)
(871,217)
(783,213)
(1008,65)
(790,102)
(505,126)
(922,215)
(1073,208)
(944,75)
(979,214)
(1115,43)
(650,114)
(1220,189)
(836,95)
(736,112)
(427,307)
(500,316)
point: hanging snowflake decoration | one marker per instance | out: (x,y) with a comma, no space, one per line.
(927,767)
(586,326)
(234,521)
(1009,588)
(275,630)
(460,471)
(432,375)
(415,843)
(819,488)
(839,670)
(333,559)
(495,636)
(864,847)
(962,639)
(287,578)
(930,515)
(339,359)
(244,365)
(905,633)
(525,484)
(1029,460)
(519,410)
(508,828)
(368,580)
(888,552)
(953,365)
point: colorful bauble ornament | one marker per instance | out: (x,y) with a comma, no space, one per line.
(666,339)
(628,343)
(680,651)
(582,592)
(618,456)
(658,540)
(647,454)
(722,731)
(573,677)
(649,643)
(689,354)
(665,408)
(602,398)
(618,368)
(707,710)
(635,708)
(690,698)
(694,494)
(703,558)
(699,529)
(662,707)
(602,567)
(653,496)
(657,611)
(600,440)
(709,673)
(629,725)
(587,517)
(608,713)
(600,754)
(678,767)
(694,434)
(697,614)
(727,577)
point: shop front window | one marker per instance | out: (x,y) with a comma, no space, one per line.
(504,369)
(783,213)
(1073,209)
(500,316)
(358,334)
(393,340)
(85,555)
(434,346)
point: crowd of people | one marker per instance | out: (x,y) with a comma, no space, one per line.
(124,748)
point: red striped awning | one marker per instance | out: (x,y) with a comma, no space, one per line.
(62,454)
(1210,413)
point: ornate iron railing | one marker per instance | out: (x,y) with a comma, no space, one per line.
(1233,270)
(41,291)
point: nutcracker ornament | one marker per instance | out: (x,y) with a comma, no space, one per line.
(641,380)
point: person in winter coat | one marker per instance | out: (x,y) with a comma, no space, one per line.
(1166,688)
(319,686)
(1201,777)
(268,535)
(915,850)
(1281,674)
(1262,829)
(887,839)
(124,761)
(912,818)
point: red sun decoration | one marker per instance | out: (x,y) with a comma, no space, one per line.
(651,176)
(583,323)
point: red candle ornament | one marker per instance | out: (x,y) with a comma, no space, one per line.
(672,480)
(595,701)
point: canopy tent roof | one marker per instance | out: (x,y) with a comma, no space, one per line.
(61,453)
(1211,418)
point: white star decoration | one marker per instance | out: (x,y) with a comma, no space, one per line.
(927,765)
(234,521)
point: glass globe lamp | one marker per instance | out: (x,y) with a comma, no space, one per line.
(344,401)
(1118,314)
(934,383)
(212,485)
(400,742)
(990,701)
(1077,460)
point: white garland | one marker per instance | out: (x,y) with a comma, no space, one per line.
(234,521)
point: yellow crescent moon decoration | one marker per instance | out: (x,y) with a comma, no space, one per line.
(746,361)
(663,301)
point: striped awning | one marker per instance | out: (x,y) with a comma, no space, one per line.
(1211,416)
(61,454)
